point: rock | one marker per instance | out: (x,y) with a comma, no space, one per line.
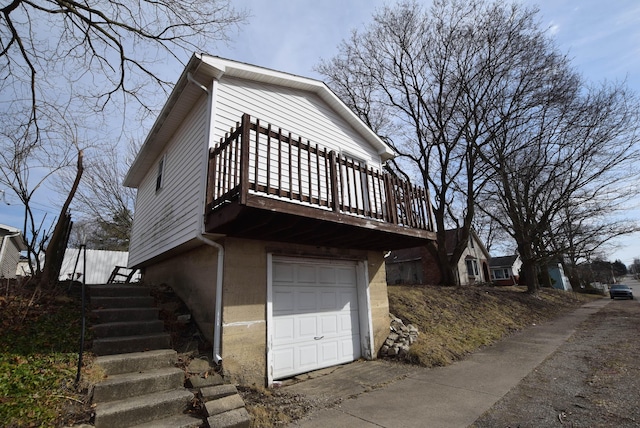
(400,339)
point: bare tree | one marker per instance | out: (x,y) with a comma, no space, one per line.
(588,228)
(108,50)
(557,163)
(105,205)
(100,59)
(430,83)
(27,164)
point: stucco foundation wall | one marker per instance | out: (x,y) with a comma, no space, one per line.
(244,299)
(192,275)
(379,299)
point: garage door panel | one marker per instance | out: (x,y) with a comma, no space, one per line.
(284,360)
(321,299)
(328,301)
(306,301)
(329,325)
(345,276)
(326,275)
(346,322)
(308,356)
(306,274)
(329,353)
(283,273)
(307,328)
(283,301)
(348,300)
(348,346)
(284,329)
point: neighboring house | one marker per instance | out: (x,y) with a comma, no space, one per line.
(473,265)
(558,278)
(100,265)
(406,266)
(262,202)
(419,266)
(505,270)
(11,244)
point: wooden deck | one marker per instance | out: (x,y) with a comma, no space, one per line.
(269,185)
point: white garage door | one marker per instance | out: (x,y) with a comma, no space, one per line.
(315,315)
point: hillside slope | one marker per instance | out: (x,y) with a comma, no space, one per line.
(454,321)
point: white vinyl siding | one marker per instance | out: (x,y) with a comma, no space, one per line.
(9,257)
(166,219)
(302,113)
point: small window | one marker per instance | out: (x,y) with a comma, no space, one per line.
(159,177)
(500,273)
(472,268)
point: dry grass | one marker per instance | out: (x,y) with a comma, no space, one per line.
(454,321)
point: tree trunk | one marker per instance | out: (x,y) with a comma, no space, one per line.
(529,273)
(439,253)
(49,275)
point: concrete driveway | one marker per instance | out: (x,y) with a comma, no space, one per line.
(386,394)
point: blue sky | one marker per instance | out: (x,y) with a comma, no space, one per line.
(602,38)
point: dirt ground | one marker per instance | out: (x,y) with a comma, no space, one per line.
(593,380)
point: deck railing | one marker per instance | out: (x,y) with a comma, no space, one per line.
(258,158)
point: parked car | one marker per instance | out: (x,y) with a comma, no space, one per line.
(620,290)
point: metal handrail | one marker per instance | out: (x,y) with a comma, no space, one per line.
(83,249)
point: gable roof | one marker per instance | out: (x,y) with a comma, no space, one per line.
(451,238)
(503,261)
(203,68)
(13,234)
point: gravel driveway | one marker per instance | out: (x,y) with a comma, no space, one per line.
(593,380)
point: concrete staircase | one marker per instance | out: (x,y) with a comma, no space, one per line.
(143,387)
(125,319)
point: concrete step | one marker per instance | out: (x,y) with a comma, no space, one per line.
(137,361)
(127,328)
(112,290)
(135,411)
(224,404)
(178,421)
(125,314)
(236,418)
(120,386)
(127,344)
(106,302)
(217,391)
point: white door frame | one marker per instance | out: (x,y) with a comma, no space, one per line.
(364,308)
